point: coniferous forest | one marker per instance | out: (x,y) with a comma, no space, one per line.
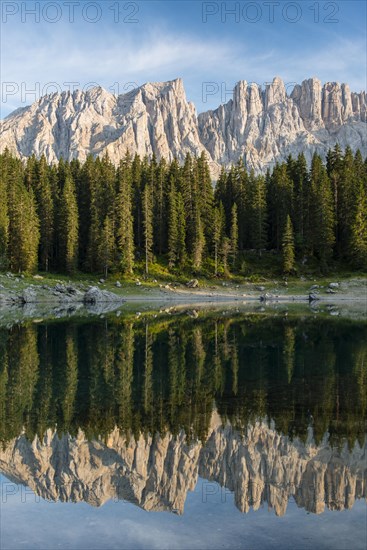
(98,218)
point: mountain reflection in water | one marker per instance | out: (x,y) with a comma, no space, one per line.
(267,407)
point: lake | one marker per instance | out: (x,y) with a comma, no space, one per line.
(188,429)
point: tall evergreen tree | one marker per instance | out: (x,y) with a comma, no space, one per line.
(233,243)
(45,209)
(181,234)
(23,224)
(147,212)
(4,224)
(288,247)
(322,213)
(107,246)
(358,250)
(172,227)
(218,226)
(256,212)
(301,205)
(280,202)
(68,227)
(125,223)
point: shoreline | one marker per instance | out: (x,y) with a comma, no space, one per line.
(48,296)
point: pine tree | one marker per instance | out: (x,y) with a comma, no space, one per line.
(345,206)
(288,247)
(199,242)
(106,251)
(358,251)
(225,252)
(256,212)
(160,207)
(125,223)
(45,209)
(147,212)
(322,213)
(301,207)
(87,183)
(181,234)
(4,225)
(203,192)
(280,203)
(23,225)
(217,235)
(233,244)
(172,227)
(68,227)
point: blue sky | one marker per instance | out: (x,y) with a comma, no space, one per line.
(32,523)
(122,44)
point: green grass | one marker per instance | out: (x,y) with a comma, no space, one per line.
(252,270)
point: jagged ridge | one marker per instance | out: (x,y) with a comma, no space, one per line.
(261,125)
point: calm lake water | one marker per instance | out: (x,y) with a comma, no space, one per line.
(209,430)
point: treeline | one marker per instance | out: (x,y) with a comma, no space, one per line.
(98,218)
(165,375)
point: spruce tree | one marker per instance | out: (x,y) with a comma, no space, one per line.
(322,213)
(199,242)
(280,203)
(345,204)
(288,247)
(172,227)
(106,251)
(301,206)
(4,225)
(68,227)
(23,224)
(256,212)
(181,233)
(217,236)
(160,207)
(147,212)
(45,209)
(358,249)
(125,223)
(233,243)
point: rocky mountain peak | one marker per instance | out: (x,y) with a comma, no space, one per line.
(261,126)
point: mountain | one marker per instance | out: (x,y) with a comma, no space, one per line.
(157,472)
(260,125)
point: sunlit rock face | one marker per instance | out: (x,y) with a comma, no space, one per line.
(265,126)
(261,126)
(259,466)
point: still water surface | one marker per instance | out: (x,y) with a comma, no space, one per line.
(177,431)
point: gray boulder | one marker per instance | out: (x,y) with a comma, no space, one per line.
(95,295)
(28,296)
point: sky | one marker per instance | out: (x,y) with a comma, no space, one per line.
(28,522)
(49,46)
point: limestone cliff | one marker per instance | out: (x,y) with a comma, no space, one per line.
(259,125)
